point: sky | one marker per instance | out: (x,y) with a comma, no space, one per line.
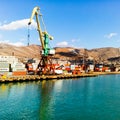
(73,23)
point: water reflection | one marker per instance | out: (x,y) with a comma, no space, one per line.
(29,99)
(84,98)
(9,90)
(47,104)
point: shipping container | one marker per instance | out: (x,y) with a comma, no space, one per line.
(17,73)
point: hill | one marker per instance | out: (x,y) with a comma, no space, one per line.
(98,54)
(20,52)
(33,51)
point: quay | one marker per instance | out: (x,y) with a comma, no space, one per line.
(22,78)
(42,77)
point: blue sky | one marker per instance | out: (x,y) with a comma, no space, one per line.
(76,23)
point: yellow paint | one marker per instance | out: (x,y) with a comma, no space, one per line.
(4,77)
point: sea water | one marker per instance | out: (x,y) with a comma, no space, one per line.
(90,98)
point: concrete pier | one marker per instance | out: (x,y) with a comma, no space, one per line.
(42,77)
(50,77)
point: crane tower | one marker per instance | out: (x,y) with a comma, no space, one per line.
(45,65)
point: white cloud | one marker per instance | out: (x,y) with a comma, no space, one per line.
(10,43)
(110,35)
(62,44)
(17,44)
(14,25)
(75,40)
(72,43)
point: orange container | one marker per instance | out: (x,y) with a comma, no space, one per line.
(78,72)
(19,73)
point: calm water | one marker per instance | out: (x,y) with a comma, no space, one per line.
(94,98)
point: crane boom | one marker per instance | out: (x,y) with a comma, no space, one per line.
(36,13)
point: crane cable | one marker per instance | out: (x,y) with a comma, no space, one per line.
(28,36)
(44,26)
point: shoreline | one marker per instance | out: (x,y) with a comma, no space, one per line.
(5,79)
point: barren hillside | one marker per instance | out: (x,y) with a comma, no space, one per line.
(104,53)
(33,51)
(24,51)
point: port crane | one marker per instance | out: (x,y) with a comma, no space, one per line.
(45,65)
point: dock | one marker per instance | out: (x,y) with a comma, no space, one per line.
(42,77)
(22,78)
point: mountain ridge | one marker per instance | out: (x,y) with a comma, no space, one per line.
(33,51)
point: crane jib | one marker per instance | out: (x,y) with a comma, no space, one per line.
(44,36)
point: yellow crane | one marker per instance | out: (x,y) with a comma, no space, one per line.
(45,66)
